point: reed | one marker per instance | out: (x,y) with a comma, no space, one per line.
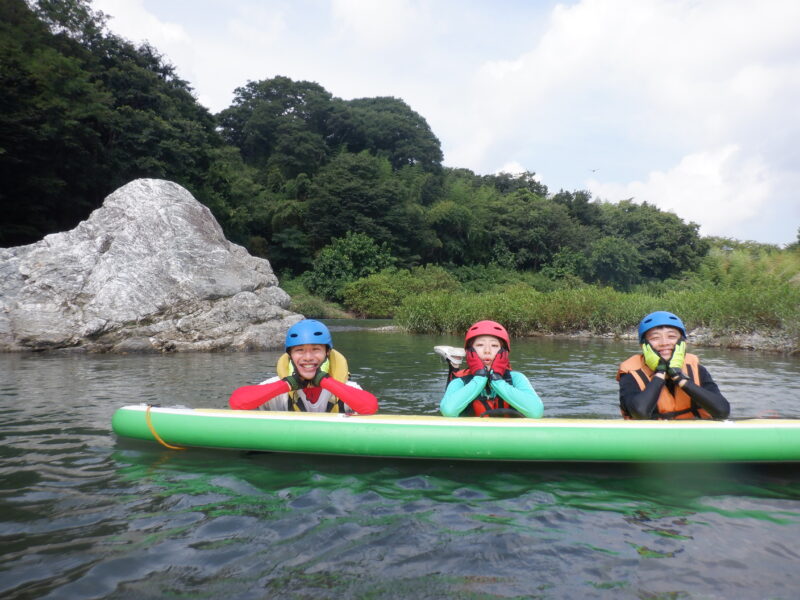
(307,304)
(771,309)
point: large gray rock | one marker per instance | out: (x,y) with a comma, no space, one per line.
(149,270)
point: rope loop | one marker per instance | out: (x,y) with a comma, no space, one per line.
(153,431)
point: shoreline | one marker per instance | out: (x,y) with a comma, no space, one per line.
(772,342)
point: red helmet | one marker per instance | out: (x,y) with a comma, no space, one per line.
(487,328)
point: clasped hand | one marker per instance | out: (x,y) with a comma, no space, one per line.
(496,370)
(500,365)
(672,367)
(296,382)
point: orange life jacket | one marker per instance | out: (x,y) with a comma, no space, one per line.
(482,403)
(676,405)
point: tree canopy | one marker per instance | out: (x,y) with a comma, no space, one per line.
(83,113)
(290,171)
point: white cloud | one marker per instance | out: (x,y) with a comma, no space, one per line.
(685,104)
(257,27)
(133,21)
(652,95)
(377,24)
(721,189)
(512,168)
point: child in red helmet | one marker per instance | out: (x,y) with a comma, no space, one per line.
(488,386)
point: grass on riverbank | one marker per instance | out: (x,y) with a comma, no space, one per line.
(525,311)
(308,305)
(732,293)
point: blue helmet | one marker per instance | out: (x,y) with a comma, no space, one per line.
(308,331)
(660,318)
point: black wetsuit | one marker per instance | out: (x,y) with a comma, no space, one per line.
(643,404)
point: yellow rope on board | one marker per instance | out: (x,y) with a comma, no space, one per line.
(155,435)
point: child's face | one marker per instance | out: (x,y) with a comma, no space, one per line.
(487,347)
(663,340)
(307,358)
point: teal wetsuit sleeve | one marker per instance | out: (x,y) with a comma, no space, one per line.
(457,396)
(520,394)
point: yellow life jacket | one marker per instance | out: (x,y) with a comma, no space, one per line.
(337,368)
(677,405)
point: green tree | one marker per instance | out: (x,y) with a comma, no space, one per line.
(51,128)
(664,244)
(567,264)
(280,120)
(238,201)
(533,228)
(614,261)
(346,259)
(353,193)
(580,207)
(451,224)
(380,295)
(296,150)
(506,183)
(386,127)
(84,112)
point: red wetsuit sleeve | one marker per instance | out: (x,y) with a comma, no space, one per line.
(360,401)
(253,396)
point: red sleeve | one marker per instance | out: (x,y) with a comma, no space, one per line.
(253,396)
(360,401)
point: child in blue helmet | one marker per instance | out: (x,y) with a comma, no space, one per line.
(312,377)
(664,382)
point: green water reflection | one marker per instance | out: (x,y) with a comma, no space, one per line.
(457,529)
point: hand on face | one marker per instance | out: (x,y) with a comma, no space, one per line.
(663,340)
(475,363)
(678,356)
(500,364)
(664,349)
(482,353)
(653,359)
(322,373)
(676,361)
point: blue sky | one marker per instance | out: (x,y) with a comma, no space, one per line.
(690,105)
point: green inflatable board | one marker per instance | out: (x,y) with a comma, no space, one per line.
(435,437)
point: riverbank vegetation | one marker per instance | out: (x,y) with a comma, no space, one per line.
(349,200)
(737,291)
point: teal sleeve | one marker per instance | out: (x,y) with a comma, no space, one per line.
(520,394)
(457,396)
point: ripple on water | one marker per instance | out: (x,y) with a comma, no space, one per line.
(117,519)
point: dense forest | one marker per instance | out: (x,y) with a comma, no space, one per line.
(331,191)
(287,168)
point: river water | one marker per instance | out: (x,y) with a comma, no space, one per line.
(86,515)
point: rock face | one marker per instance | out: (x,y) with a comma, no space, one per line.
(148,271)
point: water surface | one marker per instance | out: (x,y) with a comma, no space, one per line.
(86,515)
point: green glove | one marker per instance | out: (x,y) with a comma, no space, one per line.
(295,381)
(653,359)
(293,378)
(678,355)
(321,373)
(676,361)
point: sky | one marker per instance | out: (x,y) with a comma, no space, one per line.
(690,105)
